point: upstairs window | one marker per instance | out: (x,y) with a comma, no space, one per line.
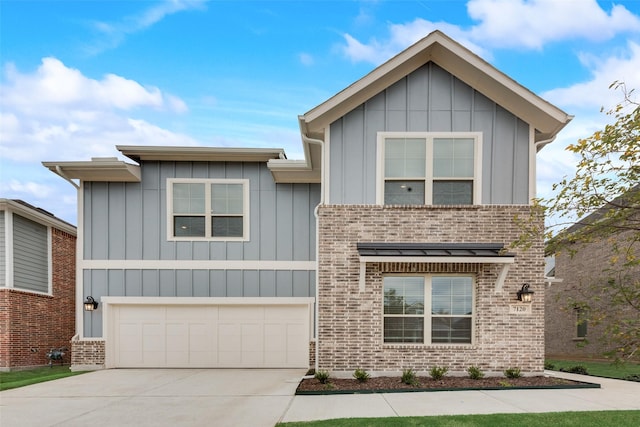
(417,168)
(208,209)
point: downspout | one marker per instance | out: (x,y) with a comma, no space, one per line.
(308,140)
(79,250)
(533,162)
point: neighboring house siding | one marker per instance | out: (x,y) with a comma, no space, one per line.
(127,222)
(31,324)
(429,100)
(30,255)
(583,269)
(3,252)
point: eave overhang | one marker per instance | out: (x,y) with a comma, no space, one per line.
(547,119)
(37,215)
(98,169)
(200,154)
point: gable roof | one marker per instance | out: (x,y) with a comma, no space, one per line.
(547,119)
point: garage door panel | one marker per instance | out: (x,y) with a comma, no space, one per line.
(211,336)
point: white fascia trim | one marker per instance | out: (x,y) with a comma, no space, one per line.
(505,261)
(79,256)
(304,301)
(196,265)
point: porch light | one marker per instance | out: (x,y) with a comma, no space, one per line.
(524,294)
(90,304)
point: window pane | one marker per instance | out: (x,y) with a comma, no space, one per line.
(227,226)
(405,157)
(404,193)
(404,295)
(452,192)
(451,330)
(404,329)
(451,295)
(227,199)
(188,198)
(453,157)
(188,226)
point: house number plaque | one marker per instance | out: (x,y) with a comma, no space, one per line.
(519,308)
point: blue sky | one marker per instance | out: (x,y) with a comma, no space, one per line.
(79,77)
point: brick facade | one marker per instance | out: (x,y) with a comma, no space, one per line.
(88,354)
(582,269)
(350,322)
(31,324)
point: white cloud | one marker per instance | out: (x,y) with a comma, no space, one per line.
(114,33)
(504,24)
(57,113)
(595,93)
(533,23)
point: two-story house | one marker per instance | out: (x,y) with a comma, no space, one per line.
(37,285)
(385,248)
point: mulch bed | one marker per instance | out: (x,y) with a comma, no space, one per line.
(393,384)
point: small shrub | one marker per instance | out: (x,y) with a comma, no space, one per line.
(633,377)
(475,373)
(322,376)
(361,375)
(549,366)
(409,377)
(512,373)
(505,384)
(578,369)
(437,372)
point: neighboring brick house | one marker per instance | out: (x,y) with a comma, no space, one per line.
(583,268)
(37,285)
(385,248)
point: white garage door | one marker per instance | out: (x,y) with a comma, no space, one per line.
(212,335)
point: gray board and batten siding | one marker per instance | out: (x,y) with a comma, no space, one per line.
(127,221)
(30,255)
(429,100)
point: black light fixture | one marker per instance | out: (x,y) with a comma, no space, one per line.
(90,304)
(524,294)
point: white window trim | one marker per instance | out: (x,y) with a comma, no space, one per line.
(429,137)
(208,182)
(427,311)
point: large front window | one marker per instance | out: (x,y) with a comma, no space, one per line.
(208,209)
(418,168)
(430,309)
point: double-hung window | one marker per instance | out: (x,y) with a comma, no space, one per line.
(419,168)
(431,309)
(208,209)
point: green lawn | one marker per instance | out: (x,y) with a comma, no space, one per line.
(599,369)
(16,379)
(568,419)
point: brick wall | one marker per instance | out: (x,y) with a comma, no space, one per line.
(32,324)
(88,354)
(350,322)
(582,268)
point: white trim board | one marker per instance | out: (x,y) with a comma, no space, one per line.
(196,265)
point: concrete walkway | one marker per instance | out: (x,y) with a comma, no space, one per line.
(613,395)
(262,397)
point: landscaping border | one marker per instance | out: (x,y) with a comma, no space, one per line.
(578,385)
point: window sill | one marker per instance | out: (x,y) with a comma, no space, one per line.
(579,339)
(430,346)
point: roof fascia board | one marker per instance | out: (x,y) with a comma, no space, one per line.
(202,154)
(39,217)
(96,170)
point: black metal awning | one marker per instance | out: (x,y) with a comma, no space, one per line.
(385,249)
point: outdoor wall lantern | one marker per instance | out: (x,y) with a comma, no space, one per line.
(90,304)
(524,294)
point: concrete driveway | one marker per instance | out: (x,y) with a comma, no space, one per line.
(154,397)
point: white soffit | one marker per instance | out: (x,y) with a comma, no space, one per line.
(98,169)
